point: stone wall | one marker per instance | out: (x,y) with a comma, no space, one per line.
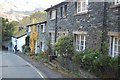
(92,21)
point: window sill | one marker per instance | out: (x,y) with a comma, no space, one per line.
(81,13)
(63,17)
(52,19)
(115,6)
(77,50)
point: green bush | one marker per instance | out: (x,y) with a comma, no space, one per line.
(43,57)
(93,60)
(64,45)
(77,58)
(25,49)
(102,63)
(114,64)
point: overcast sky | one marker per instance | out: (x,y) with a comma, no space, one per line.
(28,5)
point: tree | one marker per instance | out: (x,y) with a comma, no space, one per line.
(7,28)
(38,16)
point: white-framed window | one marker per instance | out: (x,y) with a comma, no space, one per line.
(117,2)
(61,11)
(52,38)
(29,29)
(42,46)
(52,14)
(114,49)
(65,10)
(42,28)
(82,6)
(80,42)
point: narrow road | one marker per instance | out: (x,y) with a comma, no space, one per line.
(13,66)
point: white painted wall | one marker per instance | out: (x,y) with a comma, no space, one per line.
(20,42)
(13,40)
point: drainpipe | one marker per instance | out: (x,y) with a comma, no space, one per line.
(104,28)
(119,19)
(56,27)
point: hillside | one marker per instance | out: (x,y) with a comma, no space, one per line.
(15,10)
(13,15)
(37,16)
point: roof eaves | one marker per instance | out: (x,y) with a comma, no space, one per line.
(36,23)
(55,6)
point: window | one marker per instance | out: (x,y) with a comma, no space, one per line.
(52,38)
(52,14)
(29,29)
(65,10)
(61,11)
(82,6)
(42,46)
(80,42)
(117,1)
(42,28)
(114,49)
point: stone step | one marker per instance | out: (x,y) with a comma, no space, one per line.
(52,64)
(55,62)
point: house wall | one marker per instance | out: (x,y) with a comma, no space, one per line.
(13,40)
(90,22)
(19,42)
(42,37)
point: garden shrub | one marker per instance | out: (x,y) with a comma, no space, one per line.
(25,49)
(88,58)
(77,58)
(42,56)
(64,46)
(114,64)
(102,63)
(94,61)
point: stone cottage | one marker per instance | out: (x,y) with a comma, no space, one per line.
(90,23)
(41,29)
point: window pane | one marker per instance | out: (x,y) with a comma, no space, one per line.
(115,48)
(116,54)
(82,37)
(119,49)
(81,47)
(78,6)
(82,42)
(53,14)
(78,39)
(83,6)
(118,42)
(52,38)
(61,11)
(115,40)
(65,10)
(77,42)
(77,47)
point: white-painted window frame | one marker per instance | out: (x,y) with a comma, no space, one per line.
(29,29)
(52,38)
(82,5)
(117,2)
(43,27)
(79,45)
(114,46)
(53,14)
